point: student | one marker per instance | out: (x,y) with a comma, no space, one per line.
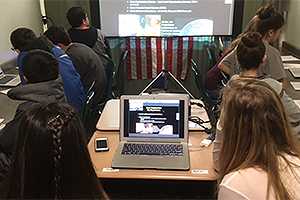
(50,159)
(269,24)
(85,60)
(40,70)
(250,54)
(82,32)
(259,154)
(24,40)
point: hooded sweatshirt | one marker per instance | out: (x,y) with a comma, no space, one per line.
(50,91)
(71,79)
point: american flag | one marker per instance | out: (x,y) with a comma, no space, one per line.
(146,56)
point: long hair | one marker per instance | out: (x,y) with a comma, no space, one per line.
(50,159)
(256,132)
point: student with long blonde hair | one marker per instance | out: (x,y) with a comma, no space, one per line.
(259,153)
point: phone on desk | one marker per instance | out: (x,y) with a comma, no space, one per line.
(101,144)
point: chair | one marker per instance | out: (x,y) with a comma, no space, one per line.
(211,56)
(209,102)
(119,77)
(86,109)
(110,72)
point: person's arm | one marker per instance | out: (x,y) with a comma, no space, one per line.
(216,149)
(284,83)
(224,68)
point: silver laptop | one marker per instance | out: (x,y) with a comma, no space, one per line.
(295,72)
(9,80)
(153,132)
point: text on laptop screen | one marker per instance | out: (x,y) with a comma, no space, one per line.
(154,118)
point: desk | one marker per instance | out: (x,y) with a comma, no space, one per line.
(201,163)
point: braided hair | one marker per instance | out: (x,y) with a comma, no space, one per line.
(56,125)
(50,157)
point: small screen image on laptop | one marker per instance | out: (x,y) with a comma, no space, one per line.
(153,118)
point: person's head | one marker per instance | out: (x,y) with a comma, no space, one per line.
(256,131)
(251,51)
(39,66)
(77,17)
(21,37)
(50,157)
(58,35)
(268,22)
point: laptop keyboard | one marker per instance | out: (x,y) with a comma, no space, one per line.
(5,79)
(153,149)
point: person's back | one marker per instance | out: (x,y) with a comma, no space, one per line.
(85,60)
(269,24)
(24,40)
(50,159)
(41,72)
(250,54)
(258,145)
(82,32)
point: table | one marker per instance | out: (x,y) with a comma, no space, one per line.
(201,162)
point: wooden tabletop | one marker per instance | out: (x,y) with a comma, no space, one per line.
(201,164)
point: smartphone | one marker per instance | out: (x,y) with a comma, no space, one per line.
(101,144)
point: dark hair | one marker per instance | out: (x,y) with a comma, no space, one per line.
(58,34)
(21,36)
(75,15)
(250,50)
(265,19)
(40,66)
(50,158)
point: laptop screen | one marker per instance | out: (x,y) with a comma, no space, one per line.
(154,118)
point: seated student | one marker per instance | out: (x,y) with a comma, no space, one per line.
(82,32)
(51,159)
(85,60)
(259,155)
(269,24)
(250,55)
(24,40)
(40,70)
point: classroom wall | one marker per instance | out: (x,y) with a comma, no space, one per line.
(14,14)
(291,32)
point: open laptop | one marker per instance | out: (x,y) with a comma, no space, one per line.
(159,120)
(295,72)
(9,80)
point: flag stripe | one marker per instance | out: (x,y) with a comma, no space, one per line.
(146,56)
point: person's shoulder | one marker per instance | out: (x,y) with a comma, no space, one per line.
(270,50)
(244,182)
(276,85)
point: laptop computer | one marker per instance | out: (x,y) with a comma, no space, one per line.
(9,80)
(149,123)
(295,72)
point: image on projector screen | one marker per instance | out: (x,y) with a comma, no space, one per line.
(139,25)
(166,17)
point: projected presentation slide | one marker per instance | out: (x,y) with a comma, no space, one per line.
(166,18)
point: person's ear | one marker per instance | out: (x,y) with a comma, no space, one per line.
(264,58)
(60,45)
(26,80)
(271,33)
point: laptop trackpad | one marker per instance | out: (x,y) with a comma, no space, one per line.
(151,162)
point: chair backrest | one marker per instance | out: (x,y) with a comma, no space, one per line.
(85,110)
(200,84)
(211,56)
(110,72)
(119,76)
